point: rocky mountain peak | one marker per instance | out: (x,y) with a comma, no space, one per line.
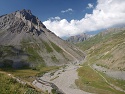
(26,15)
(25,12)
(20,21)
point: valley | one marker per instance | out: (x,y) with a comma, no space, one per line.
(34,60)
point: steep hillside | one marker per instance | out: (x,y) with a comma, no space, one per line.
(107,48)
(25,41)
(104,67)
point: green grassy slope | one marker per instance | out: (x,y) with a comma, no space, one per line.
(10,86)
(105,51)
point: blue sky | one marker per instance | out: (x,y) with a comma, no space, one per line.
(71,17)
(45,9)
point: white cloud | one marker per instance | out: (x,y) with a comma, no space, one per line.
(107,13)
(90,6)
(55,18)
(68,10)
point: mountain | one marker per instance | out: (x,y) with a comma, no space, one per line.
(78,38)
(25,41)
(107,48)
(104,68)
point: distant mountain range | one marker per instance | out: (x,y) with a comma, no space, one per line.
(79,38)
(25,41)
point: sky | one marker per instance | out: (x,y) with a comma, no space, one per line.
(71,17)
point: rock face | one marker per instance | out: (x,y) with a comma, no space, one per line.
(78,38)
(17,23)
(24,38)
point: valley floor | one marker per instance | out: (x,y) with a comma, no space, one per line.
(64,79)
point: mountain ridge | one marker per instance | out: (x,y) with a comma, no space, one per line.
(79,38)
